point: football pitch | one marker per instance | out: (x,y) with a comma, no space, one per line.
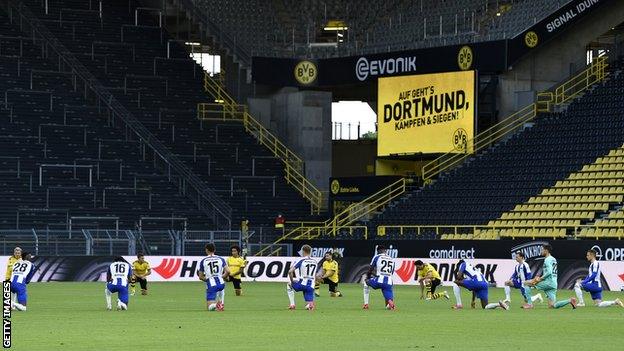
(72,316)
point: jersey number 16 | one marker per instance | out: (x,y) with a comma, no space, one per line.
(120,268)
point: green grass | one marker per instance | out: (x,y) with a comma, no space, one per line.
(71,316)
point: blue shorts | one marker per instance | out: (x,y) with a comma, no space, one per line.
(594,289)
(211,291)
(478,287)
(386,289)
(308,291)
(121,290)
(517,284)
(20,290)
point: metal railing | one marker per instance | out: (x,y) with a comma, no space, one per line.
(164,160)
(546,101)
(193,242)
(229,110)
(271,249)
(343,222)
(495,232)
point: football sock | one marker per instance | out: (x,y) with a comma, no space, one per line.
(534,298)
(579,293)
(435,296)
(19,306)
(491,306)
(562,303)
(108,297)
(221,296)
(366,290)
(291,294)
(526,293)
(606,304)
(457,292)
(507,293)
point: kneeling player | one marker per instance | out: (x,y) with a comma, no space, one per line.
(548,281)
(521,274)
(213,270)
(430,278)
(306,273)
(379,276)
(141,270)
(329,276)
(117,277)
(473,280)
(593,285)
(21,275)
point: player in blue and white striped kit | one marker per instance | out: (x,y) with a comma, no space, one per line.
(213,270)
(379,276)
(117,277)
(521,274)
(305,269)
(593,285)
(472,279)
(21,275)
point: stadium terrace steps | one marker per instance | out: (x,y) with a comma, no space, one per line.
(163,94)
(565,170)
(259,26)
(44,122)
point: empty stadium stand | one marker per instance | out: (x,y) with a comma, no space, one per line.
(60,161)
(295,28)
(558,175)
(153,76)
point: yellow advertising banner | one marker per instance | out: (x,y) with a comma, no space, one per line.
(427,113)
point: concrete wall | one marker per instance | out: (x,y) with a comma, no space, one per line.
(555,61)
(302,120)
(236,79)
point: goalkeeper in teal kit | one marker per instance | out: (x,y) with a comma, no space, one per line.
(548,281)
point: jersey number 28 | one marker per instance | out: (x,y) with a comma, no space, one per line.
(20,268)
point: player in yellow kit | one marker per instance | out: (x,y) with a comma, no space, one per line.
(329,276)
(140,269)
(429,278)
(236,264)
(17,255)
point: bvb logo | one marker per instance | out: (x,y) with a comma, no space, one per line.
(465,58)
(460,139)
(335,186)
(531,39)
(305,72)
